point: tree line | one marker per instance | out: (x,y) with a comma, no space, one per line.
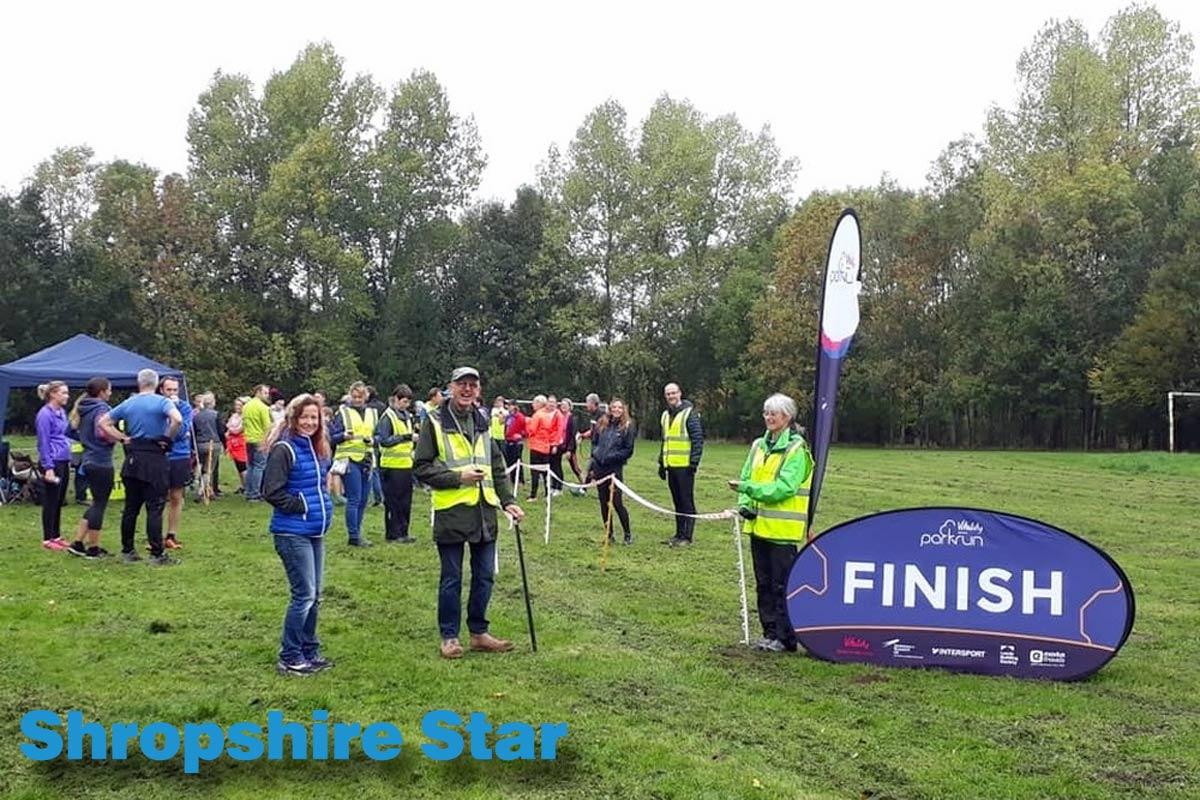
(1041,290)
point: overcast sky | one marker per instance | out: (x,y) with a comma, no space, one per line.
(852,90)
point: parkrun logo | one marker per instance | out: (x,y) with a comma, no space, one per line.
(960,533)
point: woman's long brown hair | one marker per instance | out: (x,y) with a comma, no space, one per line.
(626,420)
(290,423)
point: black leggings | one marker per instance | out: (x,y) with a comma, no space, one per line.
(100,479)
(536,458)
(618,503)
(573,460)
(53,497)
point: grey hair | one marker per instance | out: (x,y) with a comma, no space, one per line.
(593,398)
(541,398)
(147,379)
(781,403)
(208,400)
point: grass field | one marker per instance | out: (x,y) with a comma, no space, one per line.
(641,659)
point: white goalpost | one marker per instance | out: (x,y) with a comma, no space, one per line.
(1171,416)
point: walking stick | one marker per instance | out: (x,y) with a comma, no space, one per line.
(207,482)
(525,588)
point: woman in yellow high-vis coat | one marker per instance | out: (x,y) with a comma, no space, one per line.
(773,502)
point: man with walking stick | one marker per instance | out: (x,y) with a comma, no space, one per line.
(455,456)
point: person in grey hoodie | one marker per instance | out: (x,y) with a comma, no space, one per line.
(96,463)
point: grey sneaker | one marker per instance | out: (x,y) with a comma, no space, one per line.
(774,646)
(163,560)
(319,663)
(130,557)
(297,669)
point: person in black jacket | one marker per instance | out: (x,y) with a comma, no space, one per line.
(612,446)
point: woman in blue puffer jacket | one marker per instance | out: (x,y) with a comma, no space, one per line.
(298,458)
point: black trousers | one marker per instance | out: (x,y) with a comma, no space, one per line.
(144,474)
(618,503)
(53,497)
(81,483)
(556,471)
(772,563)
(512,455)
(397,501)
(536,474)
(683,495)
(101,481)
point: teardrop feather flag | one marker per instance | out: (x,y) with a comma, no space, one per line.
(839,321)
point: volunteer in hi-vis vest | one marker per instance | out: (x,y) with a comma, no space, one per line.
(773,503)
(394,436)
(679,458)
(458,459)
(353,432)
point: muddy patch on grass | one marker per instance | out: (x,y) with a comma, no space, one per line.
(869,678)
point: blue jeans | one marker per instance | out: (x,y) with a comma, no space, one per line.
(255,466)
(357,481)
(303,560)
(483,556)
(376,485)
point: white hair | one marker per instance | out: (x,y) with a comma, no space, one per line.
(593,398)
(540,398)
(147,379)
(781,403)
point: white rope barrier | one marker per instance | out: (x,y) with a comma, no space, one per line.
(711,517)
(716,516)
(737,538)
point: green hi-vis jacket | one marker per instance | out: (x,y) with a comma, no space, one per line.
(774,484)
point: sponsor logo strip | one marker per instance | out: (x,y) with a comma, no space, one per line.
(1006,634)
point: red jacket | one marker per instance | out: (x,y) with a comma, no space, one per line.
(514,428)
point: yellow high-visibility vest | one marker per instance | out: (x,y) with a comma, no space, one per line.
(498,427)
(460,455)
(677,445)
(787,520)
(359,424)
(76,447)
(398,456)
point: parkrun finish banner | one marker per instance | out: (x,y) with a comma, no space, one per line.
(962,589)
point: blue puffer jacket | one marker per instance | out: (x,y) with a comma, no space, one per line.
(294,484)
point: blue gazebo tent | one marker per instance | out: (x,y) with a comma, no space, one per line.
(76,361)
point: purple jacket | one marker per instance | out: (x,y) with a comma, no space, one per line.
(52,441)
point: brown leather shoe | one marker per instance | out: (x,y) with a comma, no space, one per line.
(487,643)
(451,648)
